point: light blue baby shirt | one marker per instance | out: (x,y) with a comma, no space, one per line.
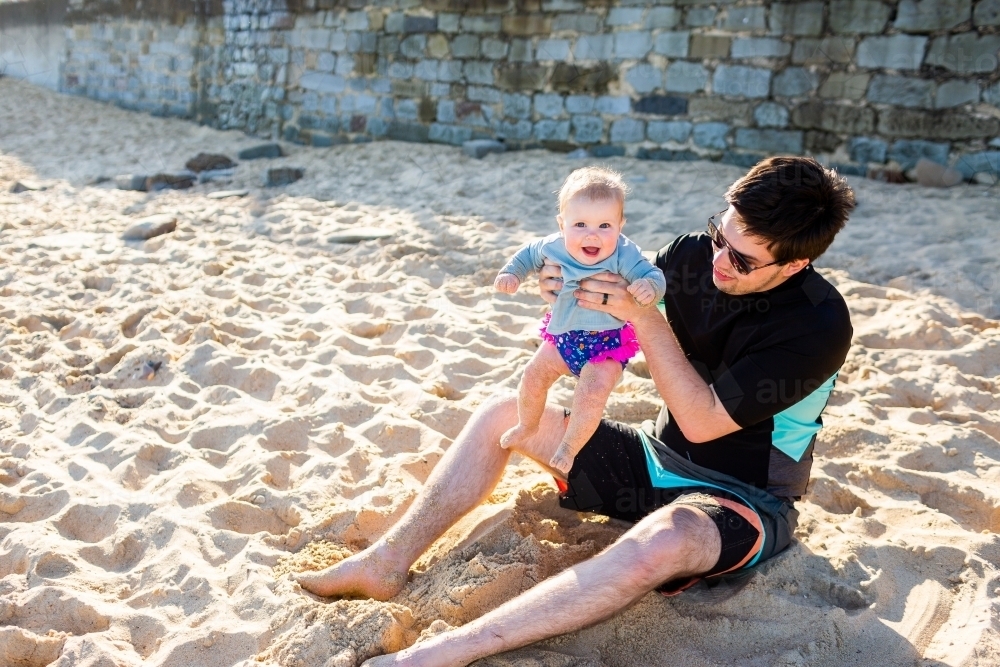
(626,260)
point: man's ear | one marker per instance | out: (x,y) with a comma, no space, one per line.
(791,268)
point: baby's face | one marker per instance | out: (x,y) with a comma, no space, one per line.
(591,228)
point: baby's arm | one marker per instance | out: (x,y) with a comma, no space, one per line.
(527,259)
(646,282)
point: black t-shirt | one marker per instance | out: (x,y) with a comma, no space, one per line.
(772,357)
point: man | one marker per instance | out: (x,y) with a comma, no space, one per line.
(745,360)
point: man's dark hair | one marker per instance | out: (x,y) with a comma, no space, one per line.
(793,204)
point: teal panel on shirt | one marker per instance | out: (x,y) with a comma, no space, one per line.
(795,426)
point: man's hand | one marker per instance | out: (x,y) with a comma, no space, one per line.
(507,283)
(619,301)
(642,291)
(550,281)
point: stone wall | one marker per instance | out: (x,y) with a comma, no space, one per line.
(856,82)
(33,41)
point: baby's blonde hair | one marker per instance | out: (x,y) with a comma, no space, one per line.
(594,183)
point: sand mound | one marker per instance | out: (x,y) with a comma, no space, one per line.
(186,418)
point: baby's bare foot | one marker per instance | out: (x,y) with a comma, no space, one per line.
(368,574)
(563,459)
(516,436)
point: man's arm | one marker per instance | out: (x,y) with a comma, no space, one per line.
(693,403)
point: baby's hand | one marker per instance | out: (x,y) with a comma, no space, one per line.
(642,291)
(507,283)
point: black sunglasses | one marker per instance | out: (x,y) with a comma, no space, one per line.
(738,261)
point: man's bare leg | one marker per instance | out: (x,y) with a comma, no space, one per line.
(674,541)
(591,395)
(545,367)
(463,479)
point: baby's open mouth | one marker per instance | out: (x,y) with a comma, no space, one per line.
(590,251)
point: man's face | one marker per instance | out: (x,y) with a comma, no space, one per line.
(754,250)
(590,229)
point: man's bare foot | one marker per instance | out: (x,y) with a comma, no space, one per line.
(516,436)
(369,574)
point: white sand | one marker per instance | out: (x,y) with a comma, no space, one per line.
(305,389)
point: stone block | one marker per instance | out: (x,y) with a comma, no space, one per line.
(413,46)
(523,25)
(633,44)
(322,82)
(900,52)
(794,82)
(699,17)
(716,108)
(130,182)
(386,45)
(987,13)
(579,104)
(859,17)
(400,70)
(709,46)
(407,109)
(845,86)
(517,77)
(481,24)
(480,148)
(494,49)
(147,228)
(516,105)
(552,130)
(769,141)
(465,46)
(818,141)
(572,78)
(582,23)
(449,22)
(437,46)
(666,155)
(741,158)
(834,118)
(605,151)
(623,16)
(446,111)
(901,91)
(627,131)
(521,50)
(562,5)
(414,24)
(450,70)
(966,53)
(644,78)
(414,89)
(483,94)
(613,104)
(412,132)
(801,19)
(672,44)
(710,135)
(866,149)
(658,18)
(587,129)
(278,176)
(770,114)
(325,62)
(931,15)
(661,132)
(449,134)
(686,77)
(956,93)
(517,131)
(739,81)
(983,162)
(908,153)
(991,95)
(478,72)
(760,47)
(661,105)
(552,49)
(838,50)
(549,105)
(949,125)
(594,47)
(746,19)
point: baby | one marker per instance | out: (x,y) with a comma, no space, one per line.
(591,345)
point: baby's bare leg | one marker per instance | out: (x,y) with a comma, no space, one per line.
(541,373)
(592,391)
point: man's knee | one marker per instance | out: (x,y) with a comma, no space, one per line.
(674,541)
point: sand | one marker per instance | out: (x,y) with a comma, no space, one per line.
(184,420)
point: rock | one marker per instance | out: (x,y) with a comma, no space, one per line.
(359,234)
(216,175)
(130,182)
(933,175)
(984,178)
(279,176)
(886,175)
(480,148)
(223,194)
(209,162)
(262,151)
(147,228)
(27,186)
(171,181)
(578,154)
